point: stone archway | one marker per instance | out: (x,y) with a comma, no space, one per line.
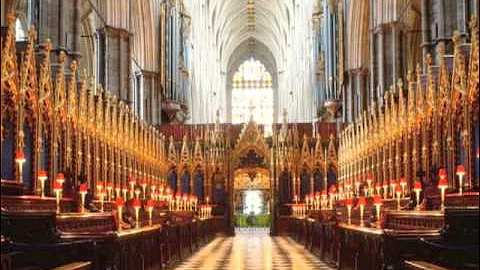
(250,168)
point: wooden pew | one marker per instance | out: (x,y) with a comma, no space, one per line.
(457,245)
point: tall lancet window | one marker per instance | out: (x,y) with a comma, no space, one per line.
(252,94)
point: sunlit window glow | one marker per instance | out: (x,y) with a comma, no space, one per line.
(253,202)
(252,94)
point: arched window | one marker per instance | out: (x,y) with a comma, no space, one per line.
(252,94)
(20,33)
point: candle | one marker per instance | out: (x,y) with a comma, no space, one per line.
(137,193)
(83,191)
(109,190)
(131,182)
(20,160)
(136,205)
(153,191)
(117,192)
(317,200)
(461,174)
(60,179)
(378,188)
(385,189)
(42,176)
(362,202)
(150,206)
(393,184)
(185,202)
(102,196)
(417,188)
(403,185)
(178,199)
(357,186)
(377,201)
(442,185)
(369,181)
(119,202)
(144,189)
(398,191)
(324,199)
(99,187)
(349,203)
(57,187)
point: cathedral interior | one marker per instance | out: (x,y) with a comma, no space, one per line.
(239,134)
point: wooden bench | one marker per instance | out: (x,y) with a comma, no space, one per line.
(421,265)
(74,266)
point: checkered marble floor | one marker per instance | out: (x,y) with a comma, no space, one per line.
(253,250)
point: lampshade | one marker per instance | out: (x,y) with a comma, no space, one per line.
(362,200)
(150,203)
(83,188)
(119,202)
(417,185)
(348,202)
(377,200)
(57,186)
(20,157)
(136,203)
(42,174)
(442,183)
(460,170)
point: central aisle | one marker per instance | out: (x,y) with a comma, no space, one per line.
(252,249)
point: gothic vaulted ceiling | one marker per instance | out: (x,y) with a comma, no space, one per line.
(236,21)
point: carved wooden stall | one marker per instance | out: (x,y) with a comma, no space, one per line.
(84,179)
(408,184)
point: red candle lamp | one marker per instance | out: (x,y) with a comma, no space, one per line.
(83,189)
(461,174)
(42,177)
(403,185)
(150,207)
(417,188)
(119,202)
(20,160)
(349,203)
(136,203)
(362,202)
(57,188)
(378,202)
(442,185)
(131,183)
(144,188)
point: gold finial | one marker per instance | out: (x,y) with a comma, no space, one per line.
(48,46)
(11,17)
(74,67)
(428,60)
(61,57)
(473,22)
(32,35)
(400,84)
(456,37)
(441,49)
(418,71)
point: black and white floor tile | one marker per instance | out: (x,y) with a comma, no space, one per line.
(253,249)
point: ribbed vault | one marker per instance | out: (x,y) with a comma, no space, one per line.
(225,31)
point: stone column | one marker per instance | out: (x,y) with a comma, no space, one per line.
(380,55)
(426,39)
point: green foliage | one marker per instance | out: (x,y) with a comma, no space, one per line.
(243,220)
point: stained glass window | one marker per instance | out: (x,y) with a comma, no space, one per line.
(252,94)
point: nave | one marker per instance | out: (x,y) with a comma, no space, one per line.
(252,249)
